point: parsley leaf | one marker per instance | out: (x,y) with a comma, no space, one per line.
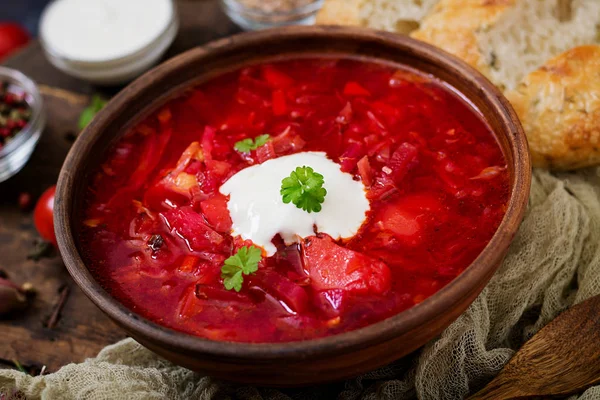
(304,188)
(88,114)
(243,262)
(247,145)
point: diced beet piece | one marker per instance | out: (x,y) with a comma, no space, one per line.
(288,141)
(291,256)
(335,267)
(265,152)
(330,302)
(293,295)
(354,89)
(351,155)
(345,115)
(216,213)
(190,226)
(402,159)
(365,171)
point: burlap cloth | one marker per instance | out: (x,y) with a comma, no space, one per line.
(553,263)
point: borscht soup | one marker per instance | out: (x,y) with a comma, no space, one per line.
(293,200)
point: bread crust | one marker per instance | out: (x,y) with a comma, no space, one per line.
(453,26)
(559,107)
(340,12)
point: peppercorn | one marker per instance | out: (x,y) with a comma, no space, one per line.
(15,113)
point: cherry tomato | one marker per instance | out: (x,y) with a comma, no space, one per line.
(42,215)
(12,37)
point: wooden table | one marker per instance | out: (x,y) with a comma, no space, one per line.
(81,329)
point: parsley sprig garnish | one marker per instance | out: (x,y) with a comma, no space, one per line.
(88,114)
(243,262)
(304,188)
(247,145)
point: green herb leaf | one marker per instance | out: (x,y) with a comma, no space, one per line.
(247,145)
(88,114)
(304,188)
(243,262)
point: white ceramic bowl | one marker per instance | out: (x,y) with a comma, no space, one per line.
(118,70)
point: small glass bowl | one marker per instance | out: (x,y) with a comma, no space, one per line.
(16,152)
(263,14)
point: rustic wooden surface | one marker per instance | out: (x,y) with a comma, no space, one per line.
(82,330)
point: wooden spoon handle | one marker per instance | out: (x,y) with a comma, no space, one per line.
(563,358)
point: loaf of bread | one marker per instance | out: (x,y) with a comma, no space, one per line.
(401,16)
(559,106)
(457,26)
(506,40)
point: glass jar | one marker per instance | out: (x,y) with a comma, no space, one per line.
(16,152)
(262,14)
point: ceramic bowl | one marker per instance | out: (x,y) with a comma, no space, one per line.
(312,361)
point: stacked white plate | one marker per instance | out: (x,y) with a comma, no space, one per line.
(107,41)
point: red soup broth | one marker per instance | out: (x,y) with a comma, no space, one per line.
(155,230)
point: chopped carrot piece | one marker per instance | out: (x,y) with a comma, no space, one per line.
(188,264)
(92,222)
(146,129)
(419,298)
(185,181)
(165,115)
(107,170)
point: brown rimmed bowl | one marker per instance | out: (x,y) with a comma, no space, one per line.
(319,360)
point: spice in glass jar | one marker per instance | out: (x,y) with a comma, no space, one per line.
(14,113)
(275,6)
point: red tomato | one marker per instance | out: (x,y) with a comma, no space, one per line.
(12,37)
(42,215)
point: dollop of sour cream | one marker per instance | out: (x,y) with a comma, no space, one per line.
(102,30)
(259,213)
